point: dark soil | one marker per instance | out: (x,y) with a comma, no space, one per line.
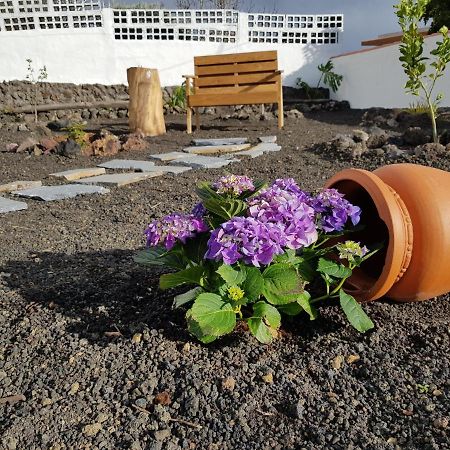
(67,277)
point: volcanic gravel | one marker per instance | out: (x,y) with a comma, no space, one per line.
(97,359)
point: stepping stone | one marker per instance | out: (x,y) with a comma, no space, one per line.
(212,149)
(215,142)
(253,153)
(172,169)
(268,139)
(17,185)
(267,147)
(51,193)
(121,179)
(168,156)
(7,205)
(141,166)
(203,162)
(76,174)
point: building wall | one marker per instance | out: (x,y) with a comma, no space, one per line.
(94,53)
(375,78)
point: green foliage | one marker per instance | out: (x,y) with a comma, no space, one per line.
(178,97)
(222,295)
(438,11)
(76,133)
(35,80)
(422,72)
(330,78)
(419,107)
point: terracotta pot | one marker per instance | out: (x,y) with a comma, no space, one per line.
(407,207)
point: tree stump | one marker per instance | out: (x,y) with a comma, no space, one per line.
(145,108)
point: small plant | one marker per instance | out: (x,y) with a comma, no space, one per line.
(76,133)
(178,97)
(254,253)
(329,77)
(419,107)
(423,388)
(422,77)
(34,80)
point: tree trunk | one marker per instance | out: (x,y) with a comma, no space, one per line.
(145,109)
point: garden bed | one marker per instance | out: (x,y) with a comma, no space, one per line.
(102,361)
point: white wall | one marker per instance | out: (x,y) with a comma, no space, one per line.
(92,55)
(375,78)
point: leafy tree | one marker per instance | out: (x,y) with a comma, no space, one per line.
(438,12)
(422,72)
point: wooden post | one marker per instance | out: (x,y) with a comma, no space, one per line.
(146,104)
(188,108)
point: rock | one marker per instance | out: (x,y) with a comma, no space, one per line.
(377,140)
(268,139)
(392,123)
(229,383)
(163,398)
(416,136)
(358,149)
(48,144)
(392,441)
(441,422)
(242,115)
(11,147)
(202,162)
(51,193)
(74,388)
(437,393)
(337,362)
(433,148)
(22,127)
(168,156)
(447,148)
(104,144)
(161,435)
(342,142)
(37,151)
(58,125)
(17,185)
(92,429)
(127,164)
(135,141)
(68,148)
(352,359)
(268,378)
(28,144)
(120,179)
(215,149)
(393,151)
(360,136)
(220,142)
(76,174)
(294,114)
(47,402)
(136,339)
(7,205)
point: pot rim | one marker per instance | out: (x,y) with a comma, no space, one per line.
(393,212)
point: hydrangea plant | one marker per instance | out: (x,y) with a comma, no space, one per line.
(252,252)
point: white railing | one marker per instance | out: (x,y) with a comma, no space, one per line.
(217,26)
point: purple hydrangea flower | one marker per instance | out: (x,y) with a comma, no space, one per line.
(286,205)
(199,210)
(172,228)
(247,239)
(334,210)
(234,185)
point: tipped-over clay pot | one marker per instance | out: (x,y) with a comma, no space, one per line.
(407,207)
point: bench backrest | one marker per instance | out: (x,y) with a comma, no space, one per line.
(236,79)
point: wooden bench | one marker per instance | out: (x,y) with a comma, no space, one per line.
(234,79)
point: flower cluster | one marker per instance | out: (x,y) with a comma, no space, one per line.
(245,238)
(351,250)
(286,205)
(334,210)
(172,228)
(233,185)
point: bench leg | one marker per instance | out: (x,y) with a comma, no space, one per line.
(189,120)
(197,120)
(280,105)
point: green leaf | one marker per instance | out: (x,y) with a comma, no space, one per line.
(159,256)
(268,313)
(281,284)
(333,269)
(225,208)
(260,330)
(195,249)
(291,309)
(213,316)
(230,275)
(194,328)
(253,283)
(355,314)
(187,297)
(304,301)
(192,275)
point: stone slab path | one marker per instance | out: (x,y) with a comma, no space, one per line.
(127,164)
(229,141)
(214,149)
(76,174)
(7,205)
(268,139)
(17,185)
(120,179)
(203,162)
(168,156)
(51,193)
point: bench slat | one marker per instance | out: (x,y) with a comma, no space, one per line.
(235,57)
(246,88)
(232,99)
(237,68)
(223,80)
